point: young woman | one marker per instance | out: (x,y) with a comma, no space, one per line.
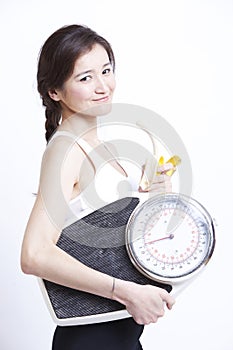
(76,82)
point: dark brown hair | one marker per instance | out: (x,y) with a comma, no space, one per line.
(56,64)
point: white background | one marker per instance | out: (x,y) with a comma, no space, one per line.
(173,57)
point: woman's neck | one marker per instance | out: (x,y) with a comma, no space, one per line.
(82,126)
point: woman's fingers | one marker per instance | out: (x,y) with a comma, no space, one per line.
(167,298)
(165,168)
(161,183)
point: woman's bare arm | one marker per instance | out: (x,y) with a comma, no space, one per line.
(40,256)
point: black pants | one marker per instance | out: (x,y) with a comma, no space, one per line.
(115,335)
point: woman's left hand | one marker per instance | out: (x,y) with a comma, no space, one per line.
(161,182)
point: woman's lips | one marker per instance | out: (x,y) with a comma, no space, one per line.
(101,99)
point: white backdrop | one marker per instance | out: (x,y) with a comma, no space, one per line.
(173,57)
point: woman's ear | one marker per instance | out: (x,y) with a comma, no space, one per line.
(54,95)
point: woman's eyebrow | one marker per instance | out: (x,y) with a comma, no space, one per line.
(91,70)
(83,73)
(106,64)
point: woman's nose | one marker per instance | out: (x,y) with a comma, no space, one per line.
(101,86)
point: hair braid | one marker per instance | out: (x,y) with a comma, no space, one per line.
(53,116)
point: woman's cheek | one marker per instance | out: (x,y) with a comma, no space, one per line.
(81,93)
(113,84)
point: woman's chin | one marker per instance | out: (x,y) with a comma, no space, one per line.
(98,110)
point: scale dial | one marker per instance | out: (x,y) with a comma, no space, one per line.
(170,237)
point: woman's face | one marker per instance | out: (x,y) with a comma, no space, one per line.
(90,86)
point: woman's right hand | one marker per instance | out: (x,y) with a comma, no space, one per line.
(144,302)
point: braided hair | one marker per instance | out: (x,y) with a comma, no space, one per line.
(56,64)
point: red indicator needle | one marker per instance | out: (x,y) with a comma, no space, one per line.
(161,239)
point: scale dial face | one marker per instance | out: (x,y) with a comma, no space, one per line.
(169,237)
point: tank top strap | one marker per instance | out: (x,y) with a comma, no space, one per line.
(80,141)
(62,133)
(84,145)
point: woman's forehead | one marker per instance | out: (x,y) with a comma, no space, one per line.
(96,57)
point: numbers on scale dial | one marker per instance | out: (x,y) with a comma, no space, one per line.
(170,238)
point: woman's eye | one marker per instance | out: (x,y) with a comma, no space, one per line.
(107,71)
(86,78)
